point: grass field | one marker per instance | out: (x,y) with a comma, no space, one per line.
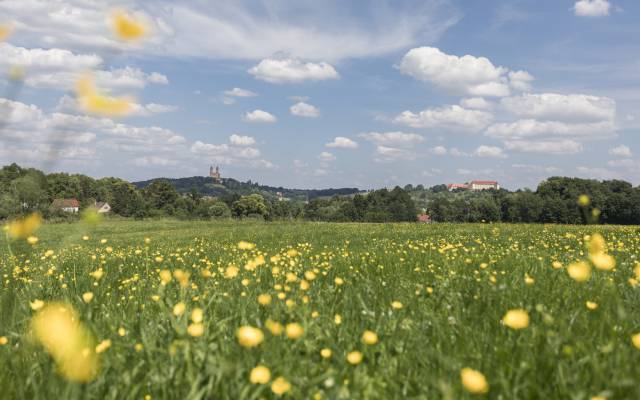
(433,297)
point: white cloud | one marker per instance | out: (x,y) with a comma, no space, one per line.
(260,116)
(525,128)
(467,75)
(343,143)
(237,92)
(224,151)
(149,161)
(592,8)
(238,140)
(621,151)
(400,139)
(439,150)
(489,152)
(292,71)
(161,108)
(554,147)
(326,157)
(624,163)
(390,154)
(559,107)
(303,109)
(68,104)
(597,173)
(476,103)
(451,117)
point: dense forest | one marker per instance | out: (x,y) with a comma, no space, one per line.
(27,190)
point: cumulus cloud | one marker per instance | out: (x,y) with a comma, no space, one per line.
(553,147)
(451,117)
(489,152)
(592,8)
(467,75)
(326,157)
(292,71)
(439,150)
(342,143)
(260,116)
(533,128)
(476,103)
(236,152)
(303,109)
(239,140)
(398,139)
(559,107)
(68,104)
(390,154)
(237,92)
(621,151)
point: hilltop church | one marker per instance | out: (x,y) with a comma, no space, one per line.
(215,174)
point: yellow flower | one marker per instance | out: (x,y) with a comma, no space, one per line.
(516,319)
(138,347)
(127,27)
(195,329)
(70,344)
(36,304)
(87,297)
(369,337)
(5,32)
(354,357)
(182,277)
(103,346)
(397,305)
(636,270)
(197,315)
(338,281)
(280,386)
(231,272)
(579,271)
(592,305)
(165,277)
(3,340)
(337,319)
(23,228)
(584,200)
(635,339)
(178,309)
(474,381)
(556,265)
(264,299)
(122,331)
(260,375)
(603,261)
(242,245)
(326,353)
(294,330)
(32,240)
(597,244)
(93,102)
(275,328)
(249,336)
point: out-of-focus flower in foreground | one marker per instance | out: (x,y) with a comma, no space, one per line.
(93,102)
(260,375)
(516,319)
(23,228)
(70,344)
(127,27)
(579,271)
(5,31)
(249,336)
(584,200)
(474,381)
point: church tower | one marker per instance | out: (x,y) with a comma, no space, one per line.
(215,174)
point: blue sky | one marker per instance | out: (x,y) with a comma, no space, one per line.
(331,93)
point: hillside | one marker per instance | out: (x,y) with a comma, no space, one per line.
(206,187)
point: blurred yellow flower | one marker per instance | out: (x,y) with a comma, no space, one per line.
(579,271)
(280,386)
(264,299)
(556,264)
(516,319)
(584,200)
(197,315)
(326,353)
(36,304)
(603,261)
(32,240)
(260,375)
(5,32)
(635,339)
(294,330)
(93,102)
(592,305)
(249,336)
(397,305)
(126,27)
(474,381)
(354,357)
(165,277)
(122,332)
(275,328)
(103,346)
(231,272)
(24,227)
(87,297)
(70,344)
(369,337)
(596,244)
(242,245)
(195,329)
(178,309)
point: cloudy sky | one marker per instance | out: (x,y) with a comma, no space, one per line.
(330,93)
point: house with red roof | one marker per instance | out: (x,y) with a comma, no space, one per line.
(66,205)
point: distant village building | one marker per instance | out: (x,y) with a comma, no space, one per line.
(66,205)
(281,197)
(474,185)
(102,207)
(424,218)
(215,174)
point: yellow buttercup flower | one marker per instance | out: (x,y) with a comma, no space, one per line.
(70,344)
(603,261)
(87,297)
(635,339)
(32,240)
(242,245)
(178,309)
(354,357)
(93,102)
(275,328)
(23,228)
(103,346)
(326,353)
(264,299)
(195,329)
(474,381)
(294,330)
(591,305)
(260,375)
(197,315)
(36,304)
(369,337)
(584,200)
(579,271)
(396,305)
(126,27)
(280,386)
(516,319)
(249,336)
